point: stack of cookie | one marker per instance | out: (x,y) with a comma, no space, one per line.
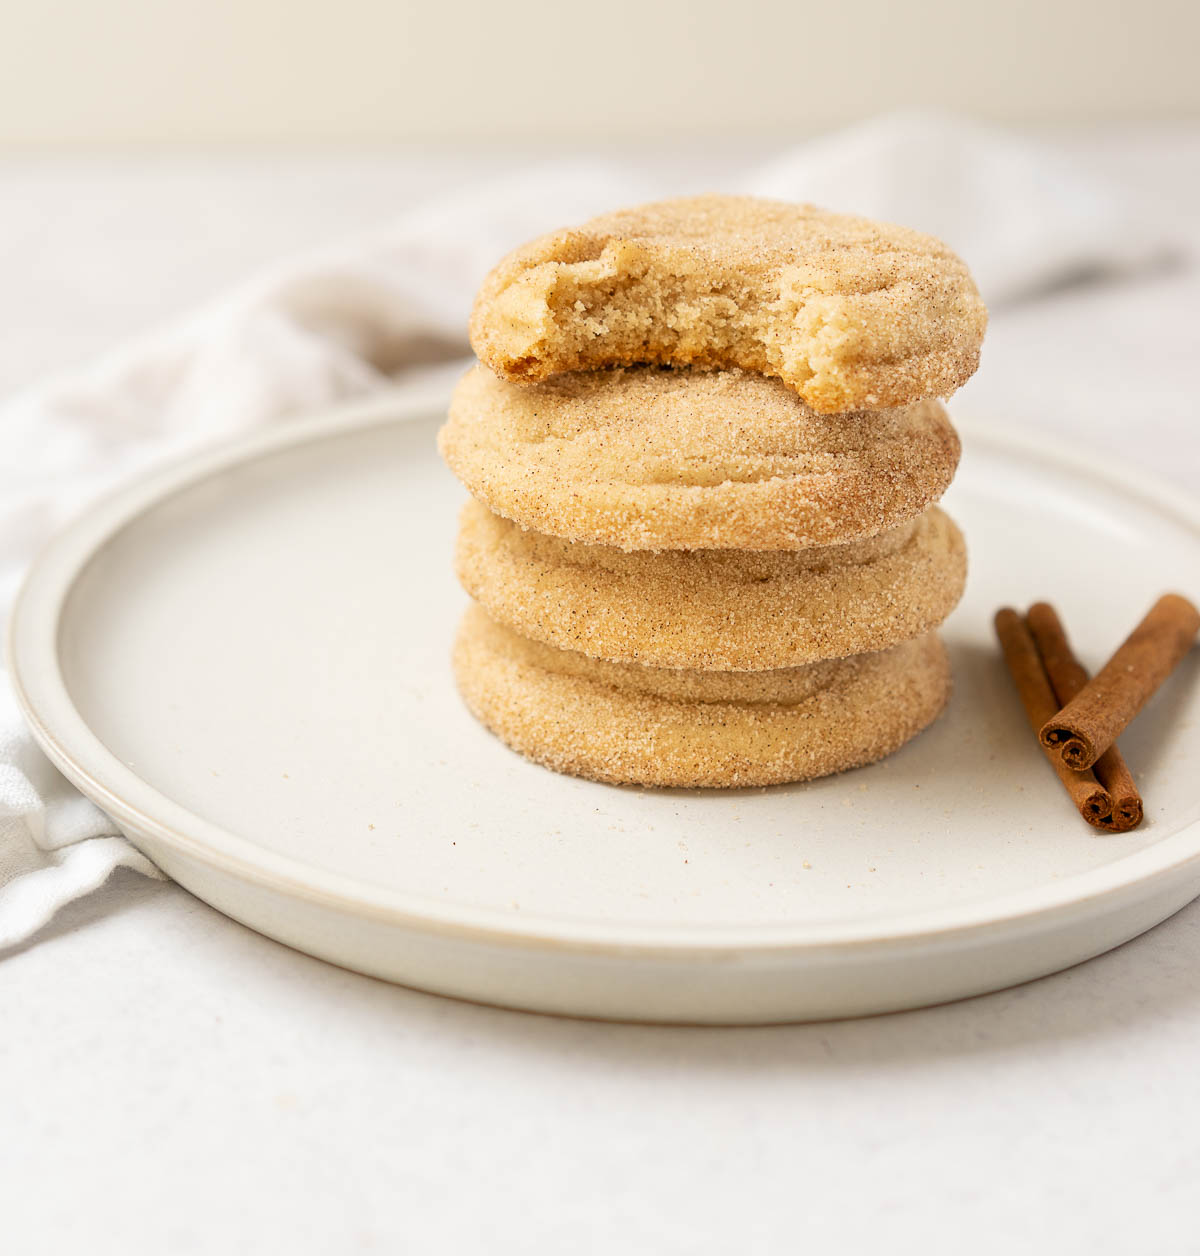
(705,449)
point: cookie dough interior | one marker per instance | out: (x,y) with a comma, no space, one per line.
(848,313)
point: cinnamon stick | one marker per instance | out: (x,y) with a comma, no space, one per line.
(1085,728)
(1067,677)
(1037,697)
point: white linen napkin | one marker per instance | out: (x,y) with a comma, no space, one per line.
(344,323)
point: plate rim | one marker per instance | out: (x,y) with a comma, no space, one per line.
(32,658)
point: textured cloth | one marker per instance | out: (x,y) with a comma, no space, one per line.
(344,323)
(54,845)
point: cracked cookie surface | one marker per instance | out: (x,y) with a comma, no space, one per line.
(849,313)
(628,724)
(715,610)
(647,458)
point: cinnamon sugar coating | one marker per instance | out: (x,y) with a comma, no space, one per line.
(646,458)
(851,314)
(628,724)
(719,609)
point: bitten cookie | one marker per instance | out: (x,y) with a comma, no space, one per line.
(724,610)
(850,314)
(644,458)
(627,724)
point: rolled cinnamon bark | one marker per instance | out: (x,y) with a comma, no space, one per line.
(1037,697)
(1085,728)
(1067,677)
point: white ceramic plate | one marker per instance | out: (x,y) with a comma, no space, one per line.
(244,660)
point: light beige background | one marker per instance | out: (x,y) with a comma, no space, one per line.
(204,72)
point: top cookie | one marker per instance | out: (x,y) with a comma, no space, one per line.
(851,314)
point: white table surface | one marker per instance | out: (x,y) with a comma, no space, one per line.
(172,1082)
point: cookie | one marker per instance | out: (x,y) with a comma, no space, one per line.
(627,724)
(645,458)
(850,314)
(723,610)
